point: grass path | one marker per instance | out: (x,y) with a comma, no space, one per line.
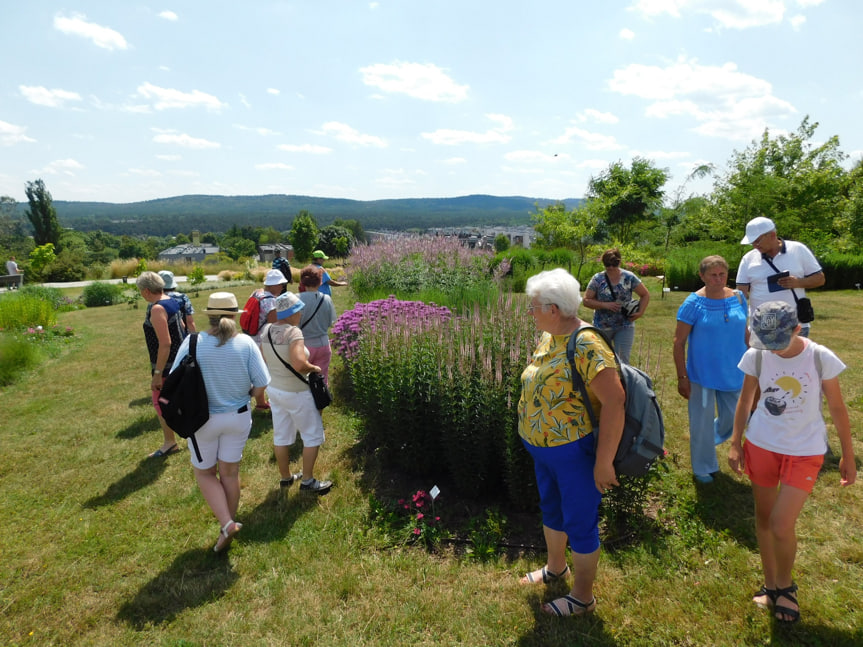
(100,546)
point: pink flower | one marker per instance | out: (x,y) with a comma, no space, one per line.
(420,516)
(417,531)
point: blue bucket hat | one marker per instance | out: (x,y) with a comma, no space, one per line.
(773,324)
(288,304)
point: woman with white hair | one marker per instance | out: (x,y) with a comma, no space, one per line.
(233,369)
(573,468)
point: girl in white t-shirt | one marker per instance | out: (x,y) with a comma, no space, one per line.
(785,440)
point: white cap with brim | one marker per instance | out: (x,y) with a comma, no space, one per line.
(756,228)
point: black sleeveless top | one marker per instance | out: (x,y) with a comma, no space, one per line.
(175,328)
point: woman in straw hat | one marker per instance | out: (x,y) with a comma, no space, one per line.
(233,369)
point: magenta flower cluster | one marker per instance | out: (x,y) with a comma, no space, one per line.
(417,508)
(390,312)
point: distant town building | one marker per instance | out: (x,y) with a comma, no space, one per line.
(188,253)
(268,252)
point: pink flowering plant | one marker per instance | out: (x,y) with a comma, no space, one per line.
(409,521)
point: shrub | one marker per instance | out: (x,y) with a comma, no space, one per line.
(26,310)
(102,294)
(16,356)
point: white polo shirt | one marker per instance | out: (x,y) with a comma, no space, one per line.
(754,270)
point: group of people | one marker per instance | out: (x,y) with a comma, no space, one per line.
(749,370)
(291,342)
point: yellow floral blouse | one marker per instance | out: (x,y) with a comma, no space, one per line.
(549,412)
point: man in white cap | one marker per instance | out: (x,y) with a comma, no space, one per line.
(776,269)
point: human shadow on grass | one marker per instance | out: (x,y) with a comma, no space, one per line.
(140,402)
(146,472)
(195,578)
(272,519)
(804,634)
(262,423)
(139,427)
(726,505)
(551,630)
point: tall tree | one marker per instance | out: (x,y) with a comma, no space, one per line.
(626,197)
(799,184)
(42,214)
(304,235)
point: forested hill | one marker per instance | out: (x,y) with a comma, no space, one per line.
(169,216)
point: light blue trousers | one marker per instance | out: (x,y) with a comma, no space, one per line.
(711,421)
(622,340)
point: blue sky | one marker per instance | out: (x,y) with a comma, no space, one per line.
(125,101)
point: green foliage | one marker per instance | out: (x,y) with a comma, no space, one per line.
(842,271)
(622,198)
(408,521)
(681,266)
(40,258)
(304,235)
(17,355)
(42,214)
(335,241)
(49,295)
(486,534)
(623,506)
(353,226)
(25,309)
(141,267)
(501,243)
(67,266)
(196,276)
(102,294)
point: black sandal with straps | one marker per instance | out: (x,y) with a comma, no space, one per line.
(770,594)
(780,610)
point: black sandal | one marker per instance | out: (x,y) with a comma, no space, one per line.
(780,610)
(770,594)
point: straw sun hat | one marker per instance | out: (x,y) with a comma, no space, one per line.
(222,303)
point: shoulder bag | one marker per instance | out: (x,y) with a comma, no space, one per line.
(317,384)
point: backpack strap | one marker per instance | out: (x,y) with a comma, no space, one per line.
(193,345)
(320,303)
(577,380)
(293,370)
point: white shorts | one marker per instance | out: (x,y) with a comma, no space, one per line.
(222,438)
(295,411)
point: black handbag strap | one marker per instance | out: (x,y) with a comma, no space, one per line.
(320,303)
(293,370)
(776,269)
(610,286)
(578,380)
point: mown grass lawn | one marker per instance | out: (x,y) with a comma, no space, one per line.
(101,546)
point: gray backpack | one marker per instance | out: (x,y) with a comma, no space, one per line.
(643,436)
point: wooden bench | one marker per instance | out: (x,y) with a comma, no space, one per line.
(10,280)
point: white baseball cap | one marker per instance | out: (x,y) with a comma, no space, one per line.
(755,228)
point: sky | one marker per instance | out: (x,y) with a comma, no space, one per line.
(128,100)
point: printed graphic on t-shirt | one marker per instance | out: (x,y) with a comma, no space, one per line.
(787,394)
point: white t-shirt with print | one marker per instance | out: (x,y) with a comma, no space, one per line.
(788,419)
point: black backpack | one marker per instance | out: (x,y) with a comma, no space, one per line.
(643,430)
(183,398)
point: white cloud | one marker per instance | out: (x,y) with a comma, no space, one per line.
(166,98)
(313,149)
(245,101)
(273,91)
(77,25)
(145,172)
(452,137)
(169,15)
(592,141)
(274,166)
(10,134)
(731,14)
(345,133)
(45,97)
(533,157)
(169,158)
(723,100)
(809,3)
(452,161)
(797,22)
(626,34)
(374,5)
(421,81)
(184,140)
(62,167)
(596,116)
(263,132)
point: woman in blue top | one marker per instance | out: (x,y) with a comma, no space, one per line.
(713,319)
(608,293)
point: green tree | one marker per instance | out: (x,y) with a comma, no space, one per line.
(625,197)
(556,227)
(799,184)
(501,243)
(354,227)
(42,214)
(304,235)
(237,247)
(335,241)
(40,258)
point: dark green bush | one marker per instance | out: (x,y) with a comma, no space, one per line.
(16,356)
(102,294)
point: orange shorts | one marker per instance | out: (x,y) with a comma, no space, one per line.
(768,469)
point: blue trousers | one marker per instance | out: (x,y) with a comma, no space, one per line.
(622,340)
(711,421)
